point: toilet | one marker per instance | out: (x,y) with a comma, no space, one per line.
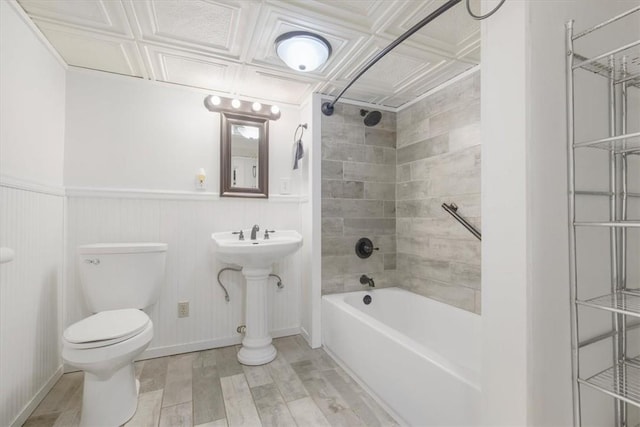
(118,280)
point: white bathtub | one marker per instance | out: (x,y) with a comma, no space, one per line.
(418,356)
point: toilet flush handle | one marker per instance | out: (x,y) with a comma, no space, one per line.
(94,261)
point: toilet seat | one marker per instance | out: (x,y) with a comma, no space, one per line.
(106,328)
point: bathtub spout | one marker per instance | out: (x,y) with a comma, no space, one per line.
(366,280)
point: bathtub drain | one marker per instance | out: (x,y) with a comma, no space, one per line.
(367,299)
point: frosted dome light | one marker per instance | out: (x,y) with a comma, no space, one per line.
(303,51)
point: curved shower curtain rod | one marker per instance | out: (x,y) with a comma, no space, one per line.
(327,107)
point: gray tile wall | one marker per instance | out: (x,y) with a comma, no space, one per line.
(438,160)
(358,199)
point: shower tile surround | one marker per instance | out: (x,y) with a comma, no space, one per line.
(358,199)
(398,205)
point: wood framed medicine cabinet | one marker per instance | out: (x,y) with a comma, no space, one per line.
(244,156)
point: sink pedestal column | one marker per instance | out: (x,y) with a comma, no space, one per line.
(256,345)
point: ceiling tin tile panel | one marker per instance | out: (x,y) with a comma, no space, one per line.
(175,66)
(228,45)
(266,84)
(275,21)
(208,26)
(96,51)
(399,68)
(360,15)
(451,33)
(97,15)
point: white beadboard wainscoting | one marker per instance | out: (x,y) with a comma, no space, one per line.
(32,224)
(186,222)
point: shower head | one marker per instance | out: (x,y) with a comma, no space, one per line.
(371,118)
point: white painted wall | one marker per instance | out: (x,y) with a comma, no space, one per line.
(32,84)
(133,133)
(32,100)
(129,134)
(186,225)
(504,217)
(526,362)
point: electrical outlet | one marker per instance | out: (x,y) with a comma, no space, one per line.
(183,309)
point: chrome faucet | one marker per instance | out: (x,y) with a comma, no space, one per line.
(254,230)
(366,280)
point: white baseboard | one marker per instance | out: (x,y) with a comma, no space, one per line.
(152,353)
(170,350)
(33,403)
(305,334)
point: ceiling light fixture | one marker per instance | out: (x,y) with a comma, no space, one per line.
(302,50)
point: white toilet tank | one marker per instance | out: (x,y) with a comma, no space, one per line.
(121,275)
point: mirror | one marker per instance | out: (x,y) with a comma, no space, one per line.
(244,156)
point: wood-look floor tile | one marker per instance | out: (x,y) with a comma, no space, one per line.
(304,368)
(154,374)
(324,394)
(257,375)
(44,420)
(381,415)
(138,366)
(148,412)
(227,361)
(345,418)
(177,416)
(68,419)
(286,379)
(208,403)
(271,406)
(361,403)
(290,349)
(178,384)
(241,409)
(307,414)
(217,423)
(205,358)
(301,386)
(57,399)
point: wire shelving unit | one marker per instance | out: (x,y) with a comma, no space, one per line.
(619,68)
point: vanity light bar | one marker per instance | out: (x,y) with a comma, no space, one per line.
(219,104)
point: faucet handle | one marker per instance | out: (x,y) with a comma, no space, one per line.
(241,234)
(266,233)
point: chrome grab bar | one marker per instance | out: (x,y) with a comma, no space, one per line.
(453,210)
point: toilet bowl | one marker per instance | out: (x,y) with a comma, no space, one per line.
(118,280)
(104,346)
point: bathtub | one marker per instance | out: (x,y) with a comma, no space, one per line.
(419,357)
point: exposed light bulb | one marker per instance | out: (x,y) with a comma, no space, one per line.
(256,106)
(215,100)
(275,109)
(235,103)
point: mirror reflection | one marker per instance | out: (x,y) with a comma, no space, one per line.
(244,156)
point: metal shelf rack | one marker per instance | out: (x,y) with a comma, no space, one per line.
(620,68)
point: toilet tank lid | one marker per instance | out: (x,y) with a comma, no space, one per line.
(122,248)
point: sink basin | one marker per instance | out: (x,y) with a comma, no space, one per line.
(256,258)
(255,253)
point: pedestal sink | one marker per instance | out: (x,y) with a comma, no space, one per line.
(256,257)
